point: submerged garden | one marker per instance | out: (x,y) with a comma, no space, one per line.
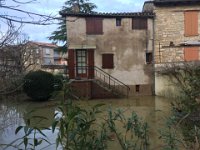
(76,124)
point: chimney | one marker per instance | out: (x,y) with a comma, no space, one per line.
(75,8)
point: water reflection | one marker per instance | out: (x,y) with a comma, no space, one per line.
(13,112)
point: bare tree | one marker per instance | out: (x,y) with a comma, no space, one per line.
(185,77)
(26,17)
(17,57)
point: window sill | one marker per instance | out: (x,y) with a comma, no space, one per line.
(94,33)
(191,35)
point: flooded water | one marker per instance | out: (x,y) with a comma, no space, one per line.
(13,111)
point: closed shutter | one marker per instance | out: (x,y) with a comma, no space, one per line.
(71,66)
(191,23)
(98,25)
(94,26)
(90,26)
(191,53)
(107,61)
(91,63)
(139,23)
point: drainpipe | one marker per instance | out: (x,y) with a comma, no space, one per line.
(154,68)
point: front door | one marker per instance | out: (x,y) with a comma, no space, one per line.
(81,63)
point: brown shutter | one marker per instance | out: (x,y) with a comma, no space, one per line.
(191,53)
(94,26)
(139,23)
(107,61)
(90,27)
(98,25)
(91,63)
(71,65)
(191,23)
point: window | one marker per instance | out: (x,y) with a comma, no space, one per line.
(47,51)
(191,53)
(107,61)
(37,61)
(149,58)
(139,23)
(81,61)
(47,61)
(137,88)
(118,21)
(37,51)
(94,26)
(191,23)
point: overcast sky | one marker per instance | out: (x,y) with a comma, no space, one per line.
(40,33)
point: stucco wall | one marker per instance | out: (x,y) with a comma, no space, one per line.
(165,85)
(169,27)
(128,46)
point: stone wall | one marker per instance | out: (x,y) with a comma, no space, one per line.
(169,27)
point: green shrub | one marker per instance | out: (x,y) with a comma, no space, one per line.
(39,85)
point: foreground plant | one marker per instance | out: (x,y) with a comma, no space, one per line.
(78,128)
(135,132)
(32,137)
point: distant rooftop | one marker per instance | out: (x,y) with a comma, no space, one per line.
(109,15)
(44,44)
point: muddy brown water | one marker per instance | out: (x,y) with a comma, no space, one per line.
(153,110)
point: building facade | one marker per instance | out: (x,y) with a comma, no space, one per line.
(177,38)
(48,57)
(119,45)
(132,46)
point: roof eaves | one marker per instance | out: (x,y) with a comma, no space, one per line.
(110,15)
(175,2)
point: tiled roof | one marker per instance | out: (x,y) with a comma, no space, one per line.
(172,2)
(109,15)
(43,44)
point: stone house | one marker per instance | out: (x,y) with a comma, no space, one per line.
(176,36)
(110,54)
(129,47)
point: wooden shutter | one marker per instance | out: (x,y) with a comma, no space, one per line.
(191,53)
(139,23)
(98,25)
(90,27)
(71,66)
(94,26)
(107,61)
(191,23)
(91,63)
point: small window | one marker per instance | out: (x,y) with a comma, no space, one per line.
(139,23)
(118,21)
(107,61)
(137,88)
(47,61)
(149,58)
(47,51)
(94,26)
(37,51)
(37,61)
